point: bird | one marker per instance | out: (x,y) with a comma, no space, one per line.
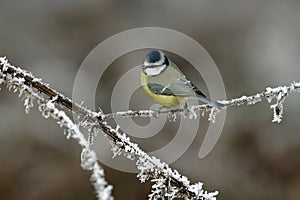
(166,84)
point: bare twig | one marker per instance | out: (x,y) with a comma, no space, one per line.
(280,93)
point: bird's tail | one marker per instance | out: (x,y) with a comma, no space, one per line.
(210,102)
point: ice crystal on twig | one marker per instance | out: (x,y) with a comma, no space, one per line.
(212,115)
(279,93)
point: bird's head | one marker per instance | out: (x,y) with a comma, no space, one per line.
(155,63)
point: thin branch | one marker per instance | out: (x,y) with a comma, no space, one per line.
(280,93)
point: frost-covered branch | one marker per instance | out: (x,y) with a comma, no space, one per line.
(168,183)
(89,161)
(278,93)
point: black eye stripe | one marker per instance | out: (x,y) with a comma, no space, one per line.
(151,66)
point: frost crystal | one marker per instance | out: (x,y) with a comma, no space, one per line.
(212,115)
(87,159)
(143,166)
(192,112)
(269,95)
(278,107)
(116,149)
(172,117)
(4,63)
(277,112)
(28,103)
(296,85)
(280,93)
(254,99)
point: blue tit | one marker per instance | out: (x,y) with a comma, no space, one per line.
(166,84)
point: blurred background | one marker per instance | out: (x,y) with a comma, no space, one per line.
(255,44)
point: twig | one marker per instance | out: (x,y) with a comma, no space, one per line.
(280,93)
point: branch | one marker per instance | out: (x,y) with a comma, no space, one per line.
(48,109)
(280,93)
(168,182)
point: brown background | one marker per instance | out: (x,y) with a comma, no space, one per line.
(254,43)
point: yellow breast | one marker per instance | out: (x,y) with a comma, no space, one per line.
(163,100)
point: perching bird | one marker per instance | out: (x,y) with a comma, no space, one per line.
(166,84)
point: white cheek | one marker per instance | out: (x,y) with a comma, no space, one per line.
(154,71)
